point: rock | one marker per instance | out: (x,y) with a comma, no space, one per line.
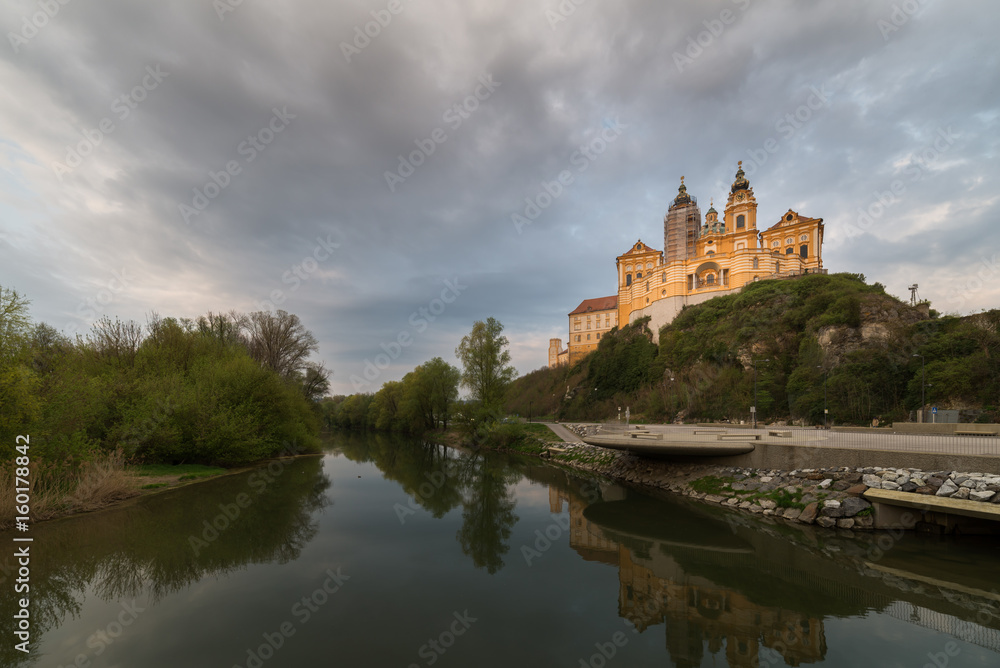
(832,508)
(826,522)
(756,509)
(808,515)
(864,522)
(926,489)
(791,489)
(947,488)
(815,476)
(996,499)
(766,478)
(962,493)
(732,501)
(854,505)
(826,483)
(981,496)
(857,489)
(959,479)
(935,481)
(886,484)
(739,476)
(767,504)
(968,484)
(851,478)
(845,523)
(908,487)
(872,481)
(791,513)
(841,485)
(714,498)
(744,505)
(768,512)
(738,487)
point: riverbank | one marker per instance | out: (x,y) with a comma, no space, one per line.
(828,497)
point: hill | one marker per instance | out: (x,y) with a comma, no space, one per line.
(837,331)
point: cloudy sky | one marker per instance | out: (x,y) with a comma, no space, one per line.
(374,166)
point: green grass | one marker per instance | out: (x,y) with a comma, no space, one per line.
(541,432)
(185,471)
(722,486)
(711,484)
(155,485)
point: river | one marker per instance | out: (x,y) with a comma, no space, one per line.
(389,552)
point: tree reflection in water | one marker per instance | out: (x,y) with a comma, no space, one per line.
(144,551)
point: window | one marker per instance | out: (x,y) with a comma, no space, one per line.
(638,275)
(741,221)
(588,337)
(628,279)
(649,265)
(777,267)
(647,286)
(756,263)
(663,293)
(664,279)
(710,279)
(588,324)
(578,338)
(789,250)
(804,237)
(788,217)
(628,268)
(804,251)
(775,243)
(789,240)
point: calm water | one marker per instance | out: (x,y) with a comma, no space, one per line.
(386,552)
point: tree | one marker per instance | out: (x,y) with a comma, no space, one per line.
(315,381)
(279,341)
(486,362)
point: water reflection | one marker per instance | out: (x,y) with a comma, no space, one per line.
(165,543)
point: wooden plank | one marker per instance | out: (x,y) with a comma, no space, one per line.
(981,509)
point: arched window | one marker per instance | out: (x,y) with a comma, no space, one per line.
(628,279)
(638,275)
(741,221)
(777,267)
(756,263)
(710,279)
(789,250)
(804,251)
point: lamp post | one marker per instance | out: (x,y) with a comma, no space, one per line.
(753,409)
(923,386)
(826,373)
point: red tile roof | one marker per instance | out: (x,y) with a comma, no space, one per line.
(599,304)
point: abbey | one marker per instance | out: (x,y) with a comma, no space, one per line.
(702,259)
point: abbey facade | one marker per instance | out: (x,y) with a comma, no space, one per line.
(702,259)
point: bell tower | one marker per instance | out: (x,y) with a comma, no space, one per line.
(681,227)
(741,210)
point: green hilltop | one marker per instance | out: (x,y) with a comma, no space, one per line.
(862,343)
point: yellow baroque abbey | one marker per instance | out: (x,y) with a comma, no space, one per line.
(701,260)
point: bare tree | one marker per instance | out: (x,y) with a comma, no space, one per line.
(116,339)
(279,341)
(316,381)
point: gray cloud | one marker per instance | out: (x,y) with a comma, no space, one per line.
(885,97)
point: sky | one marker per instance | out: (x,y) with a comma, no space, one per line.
(392,171)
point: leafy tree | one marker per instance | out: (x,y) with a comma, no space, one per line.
(486,363)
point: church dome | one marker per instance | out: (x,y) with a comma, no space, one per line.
(682,194)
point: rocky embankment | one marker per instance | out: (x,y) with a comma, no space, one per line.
(830,497)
